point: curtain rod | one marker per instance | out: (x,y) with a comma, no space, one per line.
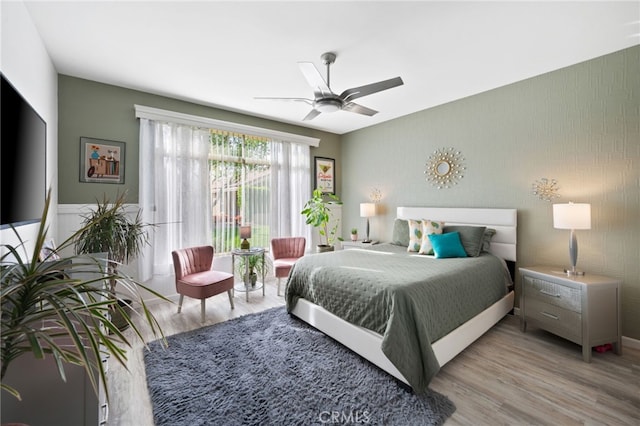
(194,120)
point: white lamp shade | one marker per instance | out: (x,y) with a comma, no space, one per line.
(572,216)
(367,209)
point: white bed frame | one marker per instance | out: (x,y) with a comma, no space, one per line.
(367,343)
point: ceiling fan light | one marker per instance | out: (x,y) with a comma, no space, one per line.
(327,105)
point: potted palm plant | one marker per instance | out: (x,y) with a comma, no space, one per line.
(60,307)
(109,229)
(318,215)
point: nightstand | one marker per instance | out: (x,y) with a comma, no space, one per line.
(583,309)
(346,245)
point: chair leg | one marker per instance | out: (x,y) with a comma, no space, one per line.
(202,308)
(180,303)
(230,298)
(278,286)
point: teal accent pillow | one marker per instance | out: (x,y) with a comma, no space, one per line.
(400,235)
(447,245)
(472,237)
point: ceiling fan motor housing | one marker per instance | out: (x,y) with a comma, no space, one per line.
(328,104)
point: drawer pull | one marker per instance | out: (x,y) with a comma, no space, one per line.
(546,314)
(550,294)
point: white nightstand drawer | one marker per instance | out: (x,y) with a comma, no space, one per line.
(563,322)
(553,293)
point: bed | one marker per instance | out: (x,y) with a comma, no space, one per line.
(409,346)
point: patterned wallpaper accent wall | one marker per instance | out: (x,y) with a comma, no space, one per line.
(579,125)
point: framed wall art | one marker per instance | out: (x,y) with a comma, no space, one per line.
(101,161)
(325,175)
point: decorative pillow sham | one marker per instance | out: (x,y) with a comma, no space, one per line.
(447,245)
(486,238)
(415,235)
(470,236)
(429,227)
(400,235)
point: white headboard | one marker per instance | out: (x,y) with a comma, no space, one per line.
(504,221)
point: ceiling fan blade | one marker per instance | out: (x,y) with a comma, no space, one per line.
(314,78)
(368,89)
(312,114)
(359,109)
(269,98)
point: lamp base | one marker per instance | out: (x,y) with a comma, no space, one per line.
(573,272)
(244,245)
(366,241)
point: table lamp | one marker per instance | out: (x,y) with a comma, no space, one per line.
(367,210)
(572,216)
(245,232)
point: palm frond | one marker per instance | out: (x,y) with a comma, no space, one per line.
(63,308)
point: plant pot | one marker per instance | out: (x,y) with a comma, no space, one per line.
(354,237)
(118,319)
(253,278)
(322,248)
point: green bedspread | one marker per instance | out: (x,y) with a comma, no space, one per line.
(411,300)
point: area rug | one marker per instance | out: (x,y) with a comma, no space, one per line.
(270,368)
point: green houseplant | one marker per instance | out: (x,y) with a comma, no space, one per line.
(61,307)
(318,215)
(109,229)
(258,265)
(354,234)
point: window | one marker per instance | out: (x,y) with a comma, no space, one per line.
(240,171)
(201,178)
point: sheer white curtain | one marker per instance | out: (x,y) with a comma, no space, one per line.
(174,190)
(290,189)
(178,177)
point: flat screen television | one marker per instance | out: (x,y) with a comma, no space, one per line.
(23,141)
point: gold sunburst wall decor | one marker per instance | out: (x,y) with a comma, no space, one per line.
(445,167)
(375,195)
(545,189)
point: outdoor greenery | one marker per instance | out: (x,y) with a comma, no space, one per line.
(240,193)
(61,307)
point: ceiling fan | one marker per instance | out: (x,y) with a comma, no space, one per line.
(326,101)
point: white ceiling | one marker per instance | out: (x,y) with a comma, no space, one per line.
(223,54)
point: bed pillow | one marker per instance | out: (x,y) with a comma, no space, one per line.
(470,236)
(486,238)
(447,245)
(429,227)
(400,235)
(415,235)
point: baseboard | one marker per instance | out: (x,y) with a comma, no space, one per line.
(627,342)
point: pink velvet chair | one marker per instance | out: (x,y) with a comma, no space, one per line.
(196,278)
(285,251)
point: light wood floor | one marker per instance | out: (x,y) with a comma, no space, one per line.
(505,378)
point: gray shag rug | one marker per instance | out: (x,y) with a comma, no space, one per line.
(271,368)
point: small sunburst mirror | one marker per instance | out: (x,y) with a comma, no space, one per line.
(444,168)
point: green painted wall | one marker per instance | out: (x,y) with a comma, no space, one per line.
(88,108)
(579,125)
